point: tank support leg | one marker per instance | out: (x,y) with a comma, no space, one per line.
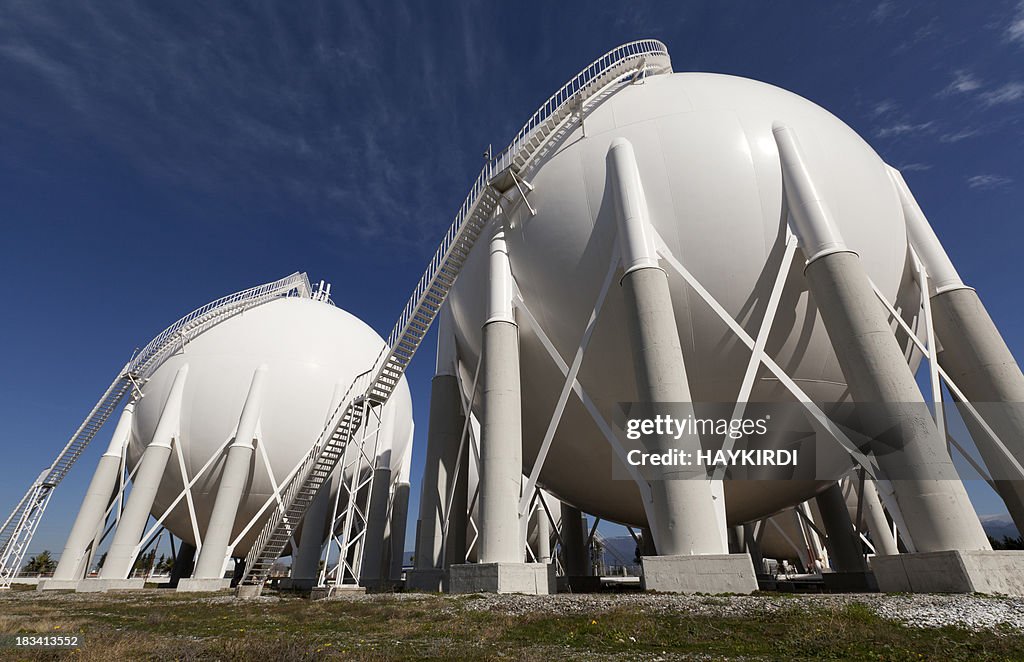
(975,357)
(502,550)
(843,543)
(140,501)
(542,529)
(685,524)
(939,516)
(874,517)
(98,497)
(399,515)
(445,427)
(209,572)
(370,570)
(574,543)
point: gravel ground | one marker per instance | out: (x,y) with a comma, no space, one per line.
(969,611)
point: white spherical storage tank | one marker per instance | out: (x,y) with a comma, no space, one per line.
(711,175)
(311,351)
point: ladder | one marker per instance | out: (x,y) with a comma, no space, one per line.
(608,73)
(19,528)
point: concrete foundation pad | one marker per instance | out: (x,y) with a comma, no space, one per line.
(58,584)
(432,581)
(202,585)
(528,578)
(248,591)
(332,591)
(104,585)
(975,571)
(702,573)
(849,582)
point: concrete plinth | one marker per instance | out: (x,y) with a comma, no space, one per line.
(702,573)
(104,585)
(248,591)
(431,580)
(975,571)
(202,585)
(332,591)
(849,582)
(528,578)
(58,584)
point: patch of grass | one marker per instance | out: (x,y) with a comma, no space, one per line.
(169,626)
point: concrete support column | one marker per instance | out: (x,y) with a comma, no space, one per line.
(444,431)
(184,562)
(542,531)
(684,510)
(98,497)
(575,559)
(874,517)
(458,517)
(147,480)
(501,448)
(892,410)
(371,570)
(233,480)
(844,547)
(974,355)
(399,517)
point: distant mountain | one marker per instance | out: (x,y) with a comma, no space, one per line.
(999,526)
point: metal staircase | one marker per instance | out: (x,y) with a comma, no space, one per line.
(20,526)
(624,65)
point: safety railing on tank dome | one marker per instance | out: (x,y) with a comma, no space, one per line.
(650,52)
(200,319)
(650,55)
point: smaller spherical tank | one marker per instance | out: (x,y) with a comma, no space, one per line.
(311,350)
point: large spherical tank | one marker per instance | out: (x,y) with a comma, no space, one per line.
(309,348)
(711,175)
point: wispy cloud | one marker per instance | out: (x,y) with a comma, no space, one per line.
(1015,30)
(914,167)
(1006,93)
(285,107)
(957,136)
(988,182)
(883,11)
(963,82)
(883,107)
(903,129)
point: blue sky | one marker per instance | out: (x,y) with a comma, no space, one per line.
(154,156)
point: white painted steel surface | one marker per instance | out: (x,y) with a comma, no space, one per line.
(308,347)
(712,179)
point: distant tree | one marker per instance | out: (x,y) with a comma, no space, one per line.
(1007,542)
(144,562)
(164,564)
(42,563)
